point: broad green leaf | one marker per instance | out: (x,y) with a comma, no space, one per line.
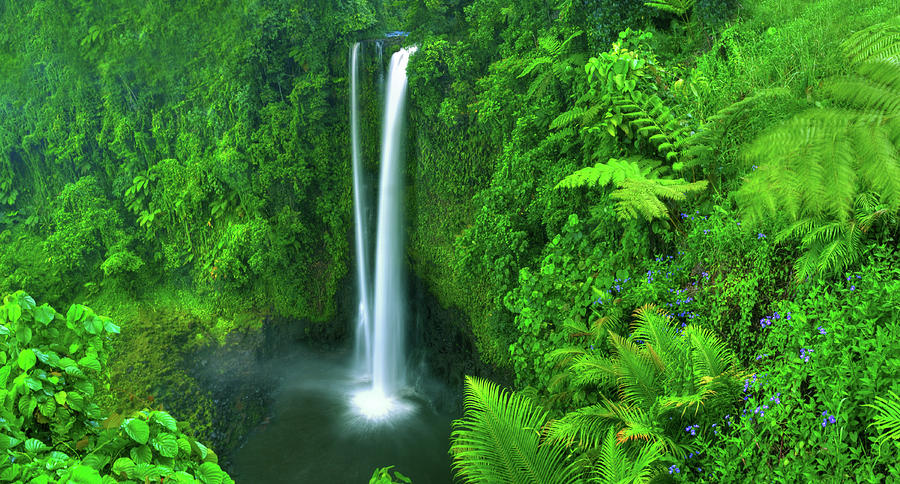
(89,362)
(75,401)
(165,444)
(200,449)
(74,371)
(33,383)
(27,359)
(48,408)
(182,477)
(166,420)
(15,312)
(211,473)
(60,397)
(28,302)
(93,325)
(4,375)
(6,441)
(146,471)
(4,331)
(97,461)
(141,454)
(11,473)
(23,334)
(74,314)
(44,314)
(27,405)
(183,445)
(85,387)
(34,446)
(82,474)
(111,327)
(123,465)
(137,429)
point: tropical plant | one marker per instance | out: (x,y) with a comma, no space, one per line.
(499,440)
(640,188)
(888,420)
(615,466)
(830,174)
(386,475)
(659,371)
(51,428)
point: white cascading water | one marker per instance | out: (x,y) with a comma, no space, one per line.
(388,348)
(363,353)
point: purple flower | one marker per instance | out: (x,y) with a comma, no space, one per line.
(805,354)
(822,331)
(760,236)
(852,287)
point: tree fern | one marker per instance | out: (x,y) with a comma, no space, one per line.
(647,116)
(888,420)
(615,466)
(656,371)
(498,440)
(640,191)
(705,146)
(878,42)
(819,171)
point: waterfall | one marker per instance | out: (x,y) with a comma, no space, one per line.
(363,350)
(388,350)
(381,325)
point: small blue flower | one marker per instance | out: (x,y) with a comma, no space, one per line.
(822,331)
(760,236)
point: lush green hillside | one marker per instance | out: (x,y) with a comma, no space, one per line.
(673,223)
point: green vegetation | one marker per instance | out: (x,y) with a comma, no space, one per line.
(52,429)
(673,224)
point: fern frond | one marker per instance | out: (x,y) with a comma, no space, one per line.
(650,118)
(878,42)
(498,439)
(593,370)
(584,426)
(711,357)
(566,118)
(643,198)
(888,419)
(875,87)
(639,382)
(654,327)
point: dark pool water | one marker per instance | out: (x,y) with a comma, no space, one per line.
(315,435)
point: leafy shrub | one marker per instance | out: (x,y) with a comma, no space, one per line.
(53,431)
(84,226)
(828,354)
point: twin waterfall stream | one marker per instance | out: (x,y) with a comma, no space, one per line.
(337,421)
(380,349)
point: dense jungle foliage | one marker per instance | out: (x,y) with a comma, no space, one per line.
(674,223)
